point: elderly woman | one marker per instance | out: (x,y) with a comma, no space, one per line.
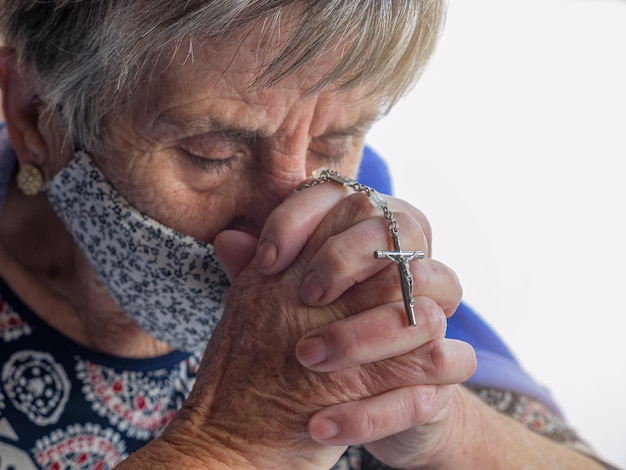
(168,300)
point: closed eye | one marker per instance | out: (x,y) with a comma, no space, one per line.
(216,152)
(210,165)
(331,149)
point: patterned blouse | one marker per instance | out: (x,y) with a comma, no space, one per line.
(65,406)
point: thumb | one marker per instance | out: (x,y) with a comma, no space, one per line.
(235,250)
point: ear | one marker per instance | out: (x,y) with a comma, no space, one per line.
(21,111)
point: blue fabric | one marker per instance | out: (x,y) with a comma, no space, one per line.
(374,172)
(497,366)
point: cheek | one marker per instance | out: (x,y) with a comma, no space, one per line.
(200,215)
(196,215)
(161,188)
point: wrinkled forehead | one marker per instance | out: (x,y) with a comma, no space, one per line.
(186,104)
(215,83)
(259,56)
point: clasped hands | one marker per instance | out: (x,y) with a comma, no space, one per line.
(313,352)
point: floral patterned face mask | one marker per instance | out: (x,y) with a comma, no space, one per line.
(170,284)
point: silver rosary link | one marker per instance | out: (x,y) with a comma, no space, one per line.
(322,175)
(397,255)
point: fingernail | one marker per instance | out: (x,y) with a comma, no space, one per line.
(323,428)
(311,289)
(312,351)
(266,254)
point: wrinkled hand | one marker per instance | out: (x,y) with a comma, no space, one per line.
(338,236)
(315,328)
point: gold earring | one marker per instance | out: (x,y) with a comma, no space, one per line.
(30,179)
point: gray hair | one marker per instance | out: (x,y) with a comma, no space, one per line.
(89,56)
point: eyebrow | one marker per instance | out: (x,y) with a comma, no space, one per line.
(361,126)
(208,124)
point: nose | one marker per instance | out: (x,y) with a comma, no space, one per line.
(279,168)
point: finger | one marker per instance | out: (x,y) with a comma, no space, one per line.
(442,361)
(438,362)
(323,284)
(370,336)
(410,393)
(378,417)
(235,250)
(350,211)
(342,255)
(289,227)
(431,278)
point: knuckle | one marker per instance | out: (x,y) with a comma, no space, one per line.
(349,342)
(436,359)
(358,204)
(416,216)
(428,400)
(374,423)
(422,221)
(426,228)
(451,306)
(447,362)
(422,405)
(435,319)
(410,226)
(431,277)
(453,290)
(370,424)
(332,255)
(421,276)
(282,222)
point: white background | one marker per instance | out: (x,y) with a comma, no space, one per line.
(513,144)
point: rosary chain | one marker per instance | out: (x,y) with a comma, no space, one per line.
(323,175)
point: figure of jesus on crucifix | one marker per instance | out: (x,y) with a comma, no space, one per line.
(402,258)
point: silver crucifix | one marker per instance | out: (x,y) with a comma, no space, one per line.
(402,258)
